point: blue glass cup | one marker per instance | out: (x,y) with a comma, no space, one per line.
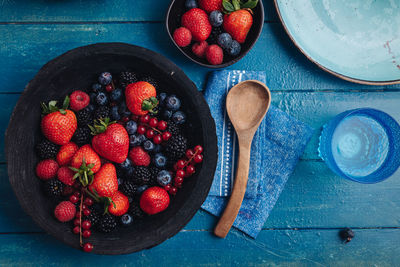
(362,145)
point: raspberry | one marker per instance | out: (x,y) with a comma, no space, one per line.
(46,169)
(65,211)
(199,49)
(66,153)
(182,37)
(214,54)
(79,100)
(65,175)
(139,157)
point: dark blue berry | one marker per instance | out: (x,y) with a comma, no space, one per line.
(224,40)
(131,127)
(167,114)
(164,177)
(114,113)
(97,87)
(105,78)
(126,219)
(141,189)
(161,98)
(189,4)
(148,145)
(101,99)
(172,103)
(136,139)
(234,48)
(160,160)
(179,117)
(216,18)
(123,110)
(125,165)
(116,95)
(93,98)
(90,108)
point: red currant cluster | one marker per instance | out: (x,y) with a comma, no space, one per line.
(185,168)
(82,227)
(153,129)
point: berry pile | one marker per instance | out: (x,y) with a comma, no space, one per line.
(114,154)
(215,29)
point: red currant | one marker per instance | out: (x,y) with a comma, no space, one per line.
(157,139)
(86,225)
(145,119)
(86,212)
(125,119)
(134,117)
(180,164)
(86,233)
(77,215)
(74,199)
(178,180)
(173,190)
(88,201)
(76,230)
(189,153)
(77,222)
(150,134)
(109,88)
(77,194)
(189,170)
(162,125)
(84,207)
(167,187)
(180,173)
(198,149)
(198,158)
(87,247)
(175,166)
(166,136)
(141,129)
(153,122)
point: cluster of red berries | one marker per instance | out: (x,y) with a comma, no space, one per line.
(82,227)
(185,168)
(153,129)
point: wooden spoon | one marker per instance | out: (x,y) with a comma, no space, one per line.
(246,104)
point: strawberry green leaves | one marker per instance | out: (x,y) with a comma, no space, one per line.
(52,107)
(150,104)
(100,126)
(234,5)
(107,201)
(84,173)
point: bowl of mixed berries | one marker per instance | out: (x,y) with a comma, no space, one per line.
(111,148)
(215,33)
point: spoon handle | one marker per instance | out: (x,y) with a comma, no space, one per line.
(239,188)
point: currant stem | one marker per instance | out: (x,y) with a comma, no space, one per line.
(80,220)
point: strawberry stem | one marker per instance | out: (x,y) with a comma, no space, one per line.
(100,126)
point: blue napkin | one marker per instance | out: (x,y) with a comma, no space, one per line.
(276,148)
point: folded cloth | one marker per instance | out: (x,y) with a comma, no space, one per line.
(276,148)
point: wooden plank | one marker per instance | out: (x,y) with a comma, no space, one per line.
(370,247)
(23,54)
(106,11)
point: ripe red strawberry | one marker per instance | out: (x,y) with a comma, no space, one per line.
(214,54)
(196,20)
(154,200)
(139,156)
(65,211)
(90,156)
(58,125)
(182,37)
(238,24)
(141,98)
(105,182)
(199,49)
(111,140)
(46,169)
(119,205)
(79,100)
(66,153)
(66,175)
(210,5)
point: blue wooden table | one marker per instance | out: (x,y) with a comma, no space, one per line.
(303,227)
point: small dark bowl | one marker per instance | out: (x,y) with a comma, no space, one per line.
(177,9)
(78,69)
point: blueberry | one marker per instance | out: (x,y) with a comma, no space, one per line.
(216,18)
(123,110)
(90,108)
(167,114)
(116,95)
(131,127)
(101,99)
(160,160)
(141,189)
(224,40)
(114,113)
(164,177)
(157,148)
(161,98)
(126,219)
(105,78)
(97,87)
(189,4)
(92,97)
(172,103)
(136,139)
(179,117)
(148,145)
(125,165)
(234,48)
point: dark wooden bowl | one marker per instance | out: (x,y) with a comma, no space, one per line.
(177,9)
(78,69)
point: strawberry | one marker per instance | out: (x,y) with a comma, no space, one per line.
(65,211)
(199,49)
(214,54)
(58,125)
(119,205)
(79,100)
(85,163)
(141,98)
(105,182)
(196,20)
(65,175)
(110,141)
(46,169)
(182,37)
(139,156)
(66,153)
(210,5)
(154,200)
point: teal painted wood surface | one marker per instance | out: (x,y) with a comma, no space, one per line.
(301,230)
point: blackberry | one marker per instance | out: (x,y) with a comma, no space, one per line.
(53,188)
(128,188)
(141,175)
(150,80)
(126,78)
(120,173)
(101,112)
(154,172)
(176,147)
(216,31)
(107,223)
(173,128)
(136,211)
(82,136)
(94,216)
(46,149)
(84,117)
